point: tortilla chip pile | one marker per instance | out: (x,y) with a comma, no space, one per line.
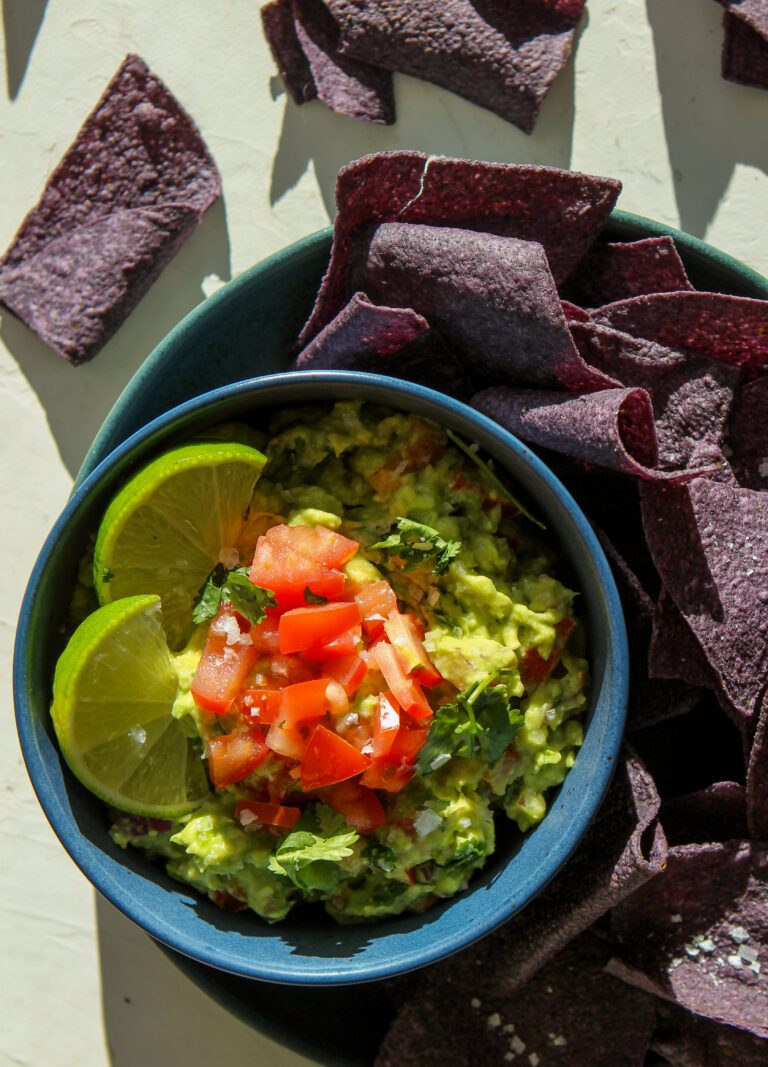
(745,42)
(128,193)
(649,400)
(503,55)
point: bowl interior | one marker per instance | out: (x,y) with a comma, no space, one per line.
(308,948)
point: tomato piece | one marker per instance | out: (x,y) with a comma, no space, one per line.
(290,559)
(534,669)
(329,759)
(349,672)
(404,636)
(300,704)
(386,724)
(261,705)
(304,628)
(360,806)
(405,690)
(375,602)
(344,645)
(264,637)
(408,743)
(224,664)
(395,769)
(282,671)
(234,756)
(267,814)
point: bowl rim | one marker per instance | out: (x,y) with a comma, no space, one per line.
(630,226)
(584,808)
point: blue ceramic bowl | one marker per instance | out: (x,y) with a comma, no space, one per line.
(308,948)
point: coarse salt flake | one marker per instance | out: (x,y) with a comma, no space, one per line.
(475,1002)
(735,962)
(533,1059)
(739,935)
(494,1020)
(517,1045)
(138,734)
(677,918)
(229,557)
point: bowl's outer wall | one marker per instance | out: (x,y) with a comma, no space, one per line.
(255,325)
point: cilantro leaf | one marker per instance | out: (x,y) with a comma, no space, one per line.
(246,598)
(311,860)
(480,725)
(416,542)
(314,598)
(235,586)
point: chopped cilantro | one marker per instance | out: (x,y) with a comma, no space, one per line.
(416,542)
(480,725)
(235,586)
(311,860)
(486,466)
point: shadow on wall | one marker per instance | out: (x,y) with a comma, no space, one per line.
(710,124)
(21,24)
(154,1016)
(77,399)
(429,119)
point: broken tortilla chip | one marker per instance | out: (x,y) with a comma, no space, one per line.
(127,194)
(745,42)
(562,211)
(614,271)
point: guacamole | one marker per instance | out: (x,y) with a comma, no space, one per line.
(495,686)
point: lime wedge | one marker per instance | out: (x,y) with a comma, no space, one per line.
(113,692)
(172,523)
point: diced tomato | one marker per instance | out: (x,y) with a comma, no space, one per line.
(405,690)
(304,628)
(267,814)
(386,723)
(290,559)
(329,759)
(264,637)
(282,671)
(360,806)
(224,665)
(394,770)
(349,672)
(401,631)
(300,705)
(234,756)
(344,645)
(375,602)
(534,669)
(260,705)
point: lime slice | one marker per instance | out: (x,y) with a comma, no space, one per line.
(113,692)
(172,523)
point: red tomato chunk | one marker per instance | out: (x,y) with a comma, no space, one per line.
(251,812)
(304,628)
(224,664)
(234,756)
(290,559)
(329,759)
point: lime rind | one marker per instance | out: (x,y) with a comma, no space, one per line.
(165,529)
(113,694)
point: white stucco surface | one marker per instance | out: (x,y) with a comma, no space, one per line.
(644,102)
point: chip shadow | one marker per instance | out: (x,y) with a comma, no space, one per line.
(77,399)
(429,119)
(22,20)
(711,125)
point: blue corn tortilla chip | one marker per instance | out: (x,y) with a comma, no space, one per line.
(691,394)
(128,192)
(709,542)
(491,297)
(674,652)
(716,813)
(610,428)
(686,1040)
(304,42)
(745,42)
(757,778)
(701,949)
(650,699)
(280,31)
(733,329)
(617,270)
(503,55)
(561,210)
(747,441)
(382,340)
(571,1013)
(623,848)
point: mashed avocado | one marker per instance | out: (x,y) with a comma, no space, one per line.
(499,627)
